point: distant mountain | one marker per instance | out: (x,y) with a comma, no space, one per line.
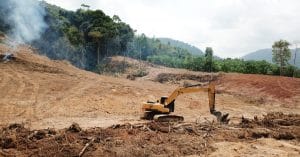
(192,49)
(266,54)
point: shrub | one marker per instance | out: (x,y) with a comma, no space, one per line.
(140,73)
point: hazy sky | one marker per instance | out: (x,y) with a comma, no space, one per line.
(232,27)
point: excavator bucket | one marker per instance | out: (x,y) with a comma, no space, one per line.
(222,118)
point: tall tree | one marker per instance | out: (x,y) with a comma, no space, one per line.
(208,59)
(295,55)
(281,53)
(97,35)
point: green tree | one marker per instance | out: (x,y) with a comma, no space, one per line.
(116,19)
(74,35)
(281,53)
(208,59)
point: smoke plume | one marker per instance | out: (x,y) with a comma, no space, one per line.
(26,18)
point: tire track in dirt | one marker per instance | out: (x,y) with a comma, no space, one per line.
(4,80)
(21,83)
(25,83)
(77,90)
(35,89)
(7,85)
(20,90)
(80,88)
(286,88)
(32,96)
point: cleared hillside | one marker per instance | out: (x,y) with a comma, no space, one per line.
(40,93)
(57,93)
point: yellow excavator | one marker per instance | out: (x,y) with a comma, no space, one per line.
(161,109)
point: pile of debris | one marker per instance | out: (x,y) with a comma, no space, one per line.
(144,139)
(273,125)
(175,78)
(7,57)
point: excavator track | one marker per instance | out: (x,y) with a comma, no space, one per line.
(148,115)
(168,118)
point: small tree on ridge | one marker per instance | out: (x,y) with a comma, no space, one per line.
(281,53)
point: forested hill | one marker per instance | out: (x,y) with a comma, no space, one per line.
(192,49)
(266,54)
(84,37)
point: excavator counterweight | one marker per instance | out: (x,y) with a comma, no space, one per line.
(160,110)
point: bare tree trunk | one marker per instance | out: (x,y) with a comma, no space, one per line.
(106,50)
(98,54)
(295,56)
(124,60)
(281,62)
(140,47)
(295,59)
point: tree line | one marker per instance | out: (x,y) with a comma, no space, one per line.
(154,51)
(209,63)
(85,37)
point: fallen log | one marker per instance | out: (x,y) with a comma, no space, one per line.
(85,147)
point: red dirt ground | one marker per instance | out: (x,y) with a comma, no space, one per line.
(277,87)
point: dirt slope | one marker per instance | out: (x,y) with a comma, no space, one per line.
(280,89)
(41,93)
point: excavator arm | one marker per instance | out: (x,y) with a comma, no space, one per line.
(193,89)
(184,90)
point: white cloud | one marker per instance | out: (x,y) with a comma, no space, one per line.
(232,27)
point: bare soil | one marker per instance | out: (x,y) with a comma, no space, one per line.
(37,93)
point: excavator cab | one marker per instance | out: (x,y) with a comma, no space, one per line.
(161,109)
(163,99)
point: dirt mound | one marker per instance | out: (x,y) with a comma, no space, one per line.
(176,78)
(144,139)
(274,120)
(276,125)
(279,119)
(31,66)
(124,66)
(132,69)
(274,86)
(25,58)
